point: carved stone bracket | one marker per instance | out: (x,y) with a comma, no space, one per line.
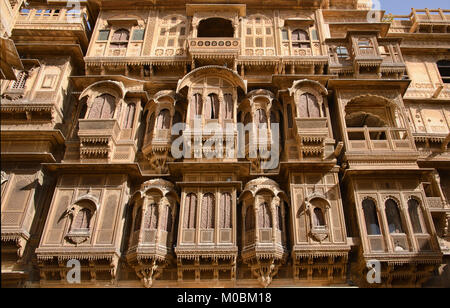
(149,273)
(265,271)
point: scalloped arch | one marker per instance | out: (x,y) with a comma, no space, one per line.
(117,85)
(212,70)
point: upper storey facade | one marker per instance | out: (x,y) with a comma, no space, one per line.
(161,40)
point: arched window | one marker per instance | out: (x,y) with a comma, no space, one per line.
(82,220)
(250,219)
(120,39)
(225,211)
(163,121)
(300,39)
(371,217)
(129,116)
(212,107)
(197,105)
(190,211)
(151,217)
(444,70)
(265,216)
(103,107)
(151,124)
(308,106)
(416,216)
(319,219)
(228,106)
(215,27)
(138,219)
(208,211)
(393,217)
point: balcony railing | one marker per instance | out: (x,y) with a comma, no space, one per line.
(215,45)
(421,21)
(379,139)
(400,242)
(55,16)
(434,16)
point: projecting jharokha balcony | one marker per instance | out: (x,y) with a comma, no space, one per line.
(379,139)
(61,15)
(312,127)
(97,137)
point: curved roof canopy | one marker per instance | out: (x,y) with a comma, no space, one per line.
(212,70)
(116,85)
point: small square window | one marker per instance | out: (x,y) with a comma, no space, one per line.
(103,35)
(138,35)
(170,43)
(163,31)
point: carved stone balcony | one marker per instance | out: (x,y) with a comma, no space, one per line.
(311,135)
(159,141)
(436,204)
(98,137)
(312,127)
(55,22)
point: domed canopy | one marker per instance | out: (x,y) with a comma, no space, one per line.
(263,183)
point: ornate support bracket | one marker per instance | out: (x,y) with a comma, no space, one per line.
(265,271)
(149,273)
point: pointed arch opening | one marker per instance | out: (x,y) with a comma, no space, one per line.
(393,216)
(371,217)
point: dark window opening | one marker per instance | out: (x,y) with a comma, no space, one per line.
(444,70)
(371,217)
(215,27)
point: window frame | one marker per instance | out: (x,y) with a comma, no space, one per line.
(445,78)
